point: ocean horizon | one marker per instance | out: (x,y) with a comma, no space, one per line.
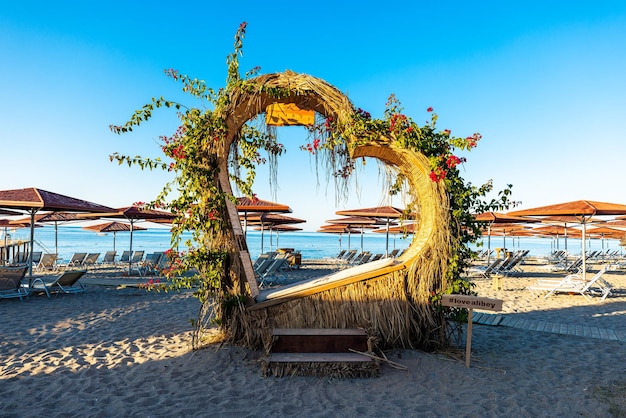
(312,245)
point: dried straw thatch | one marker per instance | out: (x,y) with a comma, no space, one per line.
(393,307)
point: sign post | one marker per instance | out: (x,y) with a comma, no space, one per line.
(470,302)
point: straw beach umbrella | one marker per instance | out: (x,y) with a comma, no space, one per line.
(395,230)
(495,218)
(606,232)
(338,229)
(52,217)
(504,230)
(356,222)
(247,205)
(114,227)
(32,200)
(583,210)
(564,221)
(278,229)
(135,214)
(268,220)
(379,212)
(6,224)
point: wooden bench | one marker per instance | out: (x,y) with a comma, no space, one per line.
(319,352)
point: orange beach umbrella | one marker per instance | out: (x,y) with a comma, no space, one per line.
(583,210)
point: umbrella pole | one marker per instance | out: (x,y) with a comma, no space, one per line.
(114,233)
(262,233)
(5,256)
(56,238)
(584,251)
(32,246)
(387,240)
(489,244)
(130,257)
(362,238)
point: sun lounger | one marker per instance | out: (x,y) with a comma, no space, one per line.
(125,258)
(47,263)
(91,259)
(77,260)
(574,283)
(273,271)
(11,282)
(109,258)
(510,265)
(362,258)
(20,258)
(263,261)
(350,256)
(485,271)
(36,258)
(137,257)
(150,264)
(376,257)
(67,282)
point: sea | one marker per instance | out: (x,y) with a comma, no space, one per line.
(312,245)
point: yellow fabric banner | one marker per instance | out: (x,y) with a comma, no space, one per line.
(288,114)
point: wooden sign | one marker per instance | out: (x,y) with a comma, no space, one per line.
(288,114)
(471,303)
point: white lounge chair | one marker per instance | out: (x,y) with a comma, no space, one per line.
(574,283)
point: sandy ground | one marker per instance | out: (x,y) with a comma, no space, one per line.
(116,351)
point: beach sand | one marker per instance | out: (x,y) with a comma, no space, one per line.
(116,351)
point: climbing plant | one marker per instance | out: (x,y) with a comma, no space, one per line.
(196,196)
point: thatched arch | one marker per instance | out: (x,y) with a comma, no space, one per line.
(392,304)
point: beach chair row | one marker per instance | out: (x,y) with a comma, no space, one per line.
(154,264)
(508,266)
(354,257)
(14,285)
(271,267)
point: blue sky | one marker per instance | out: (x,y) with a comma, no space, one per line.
(543,82)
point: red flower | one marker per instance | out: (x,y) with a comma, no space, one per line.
(438,174)
(453,161)
(472,141)
(430,109)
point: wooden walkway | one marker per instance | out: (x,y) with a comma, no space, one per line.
(545,326)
